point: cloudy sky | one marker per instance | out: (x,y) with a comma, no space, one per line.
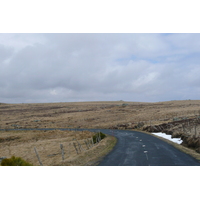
(67,67)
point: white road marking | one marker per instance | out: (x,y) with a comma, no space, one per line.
(143,145)
(146,154)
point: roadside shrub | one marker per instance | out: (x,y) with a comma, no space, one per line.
(14,161)
(102,136)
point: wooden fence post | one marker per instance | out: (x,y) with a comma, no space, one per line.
(92,142)
(86,144)
(96,140)
(99,137)
(38,157)
(62,151)
(80,146)
(69,149)
(75,147)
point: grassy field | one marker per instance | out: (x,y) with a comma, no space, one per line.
(97,115)
(47,143)
(93,114)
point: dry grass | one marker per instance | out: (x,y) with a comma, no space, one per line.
(80,115)
(93,156)
(92,114)
(22,143)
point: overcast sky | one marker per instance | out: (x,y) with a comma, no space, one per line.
(99,67)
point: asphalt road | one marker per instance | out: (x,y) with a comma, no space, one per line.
(140,149)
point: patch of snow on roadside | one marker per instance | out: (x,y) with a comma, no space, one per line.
(168,137)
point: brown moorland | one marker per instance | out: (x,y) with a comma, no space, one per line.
(93,114)
(47,143)
(113,114)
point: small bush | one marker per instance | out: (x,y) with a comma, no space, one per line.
(102,136)
(14,161)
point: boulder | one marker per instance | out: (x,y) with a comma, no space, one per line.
(123,125)
(129,124)
(150,129)
(177,134)
(153,129)
(145,128)
(190,141)
(168,132)
(113,127)
(140,124)
(198,150)
(197,142)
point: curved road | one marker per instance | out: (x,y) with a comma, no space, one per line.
(139,149)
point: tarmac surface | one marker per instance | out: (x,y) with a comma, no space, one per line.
(139,149)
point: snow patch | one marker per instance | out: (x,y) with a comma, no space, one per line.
(168,137)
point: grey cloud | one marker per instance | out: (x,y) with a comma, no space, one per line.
(80,67)
(5,53)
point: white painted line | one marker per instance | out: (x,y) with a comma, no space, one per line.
(143,145)
(146,154)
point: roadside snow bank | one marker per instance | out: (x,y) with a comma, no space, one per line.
(168,137)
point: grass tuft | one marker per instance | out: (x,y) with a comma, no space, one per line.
(95,137)
(14,161)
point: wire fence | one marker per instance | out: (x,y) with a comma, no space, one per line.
(71,149)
